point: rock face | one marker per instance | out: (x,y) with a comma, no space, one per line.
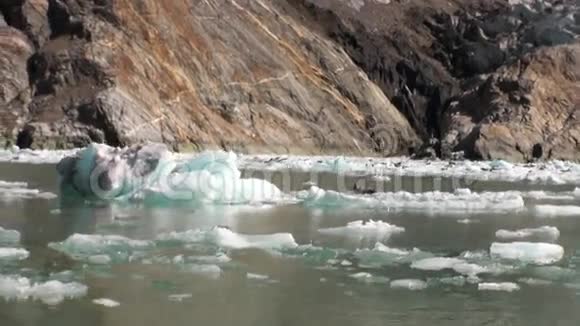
(229,73)
(492,78)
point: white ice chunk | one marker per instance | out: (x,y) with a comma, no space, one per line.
(467,221)
(410,284)
(213,272)
(95,247)
(109,303)
(226,238)
(13,254)
(10,191)
(50,293)
(30,156)
(9,236)
(361,229)
(553,172)
(455,280)
(549,233)
(504,286)
(258,277)
(180,297)
(551,211)
(369,278)
(528,252)
(382,255)
(534,281)
(461,201)
(436,263)
(11,184)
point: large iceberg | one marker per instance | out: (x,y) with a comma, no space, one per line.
(152,173)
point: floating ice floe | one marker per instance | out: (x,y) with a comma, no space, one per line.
(370,229)
(213,272)
(382,255)
(153,174)
(19,190)
(180,297)
(9,236)
(436,263)
(551,211)
(258,277)
(29,156)
(543,195)
(528,252)
(554,273)
(458,265)
(226,238)
(109,303)
(460,201)
(50,293)
(549,233)
(551,173)
(409,284)
(100,249)
(13,254)
(504,286)
(534,281)
(467,221)
(369,278)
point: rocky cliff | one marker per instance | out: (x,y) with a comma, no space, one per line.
(491,78)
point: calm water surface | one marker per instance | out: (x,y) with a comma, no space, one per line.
(298,291)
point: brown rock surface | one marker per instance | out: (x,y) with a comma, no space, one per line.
(524,111)
(232,74)
(493,78)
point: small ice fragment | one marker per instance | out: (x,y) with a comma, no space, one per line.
(505,286)
(99,259)
(410,284)
(362,229)
(545,232)
(469,269)
(361,276)
(109,303)
(9,236)
(258,277)
(345,263)
(13,254)
(83,246)
(528,252)
(323,280)
(436,263)
(553,211)
(473,279)
(180,297)
(213,272)
(178,259)
(455,280)
(467,221)
(534,281)
(227,238)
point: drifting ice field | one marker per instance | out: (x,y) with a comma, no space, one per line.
(128,237)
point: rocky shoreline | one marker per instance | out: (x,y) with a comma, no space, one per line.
(494,79)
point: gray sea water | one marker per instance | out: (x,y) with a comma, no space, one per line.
(171,283)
